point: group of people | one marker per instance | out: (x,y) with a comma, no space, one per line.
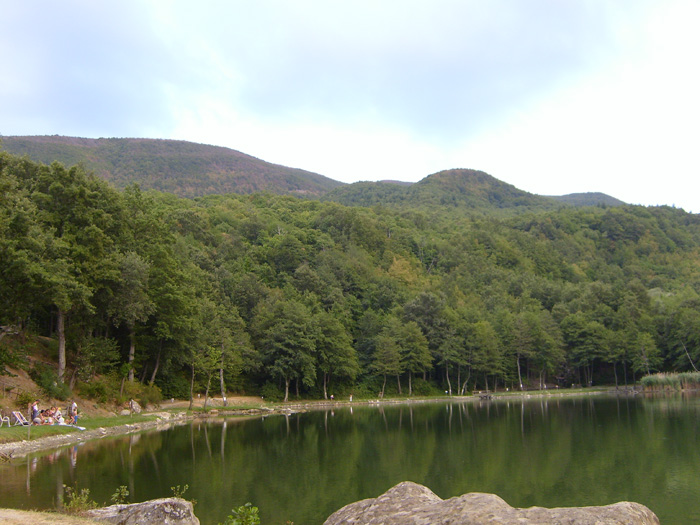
(53,415)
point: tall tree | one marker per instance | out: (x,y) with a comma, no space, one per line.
(131,303)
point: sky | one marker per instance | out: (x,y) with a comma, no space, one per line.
(551,96)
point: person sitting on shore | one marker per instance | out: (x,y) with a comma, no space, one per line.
(48,416)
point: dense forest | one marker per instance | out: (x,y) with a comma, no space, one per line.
(282,296)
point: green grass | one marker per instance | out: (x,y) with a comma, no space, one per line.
(19,433)
(671,381)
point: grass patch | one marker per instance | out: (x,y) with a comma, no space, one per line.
(19,433)
(671,381)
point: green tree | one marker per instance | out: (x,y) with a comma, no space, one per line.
(131,303)
(336,355)
(287,339)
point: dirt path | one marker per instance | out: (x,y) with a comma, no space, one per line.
(27,517)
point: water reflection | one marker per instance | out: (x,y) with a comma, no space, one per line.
(302,467)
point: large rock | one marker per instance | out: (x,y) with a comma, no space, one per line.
(162,511)
(412,504)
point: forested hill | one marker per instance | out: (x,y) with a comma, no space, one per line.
(188,169)
(183,168)
(290,295)
(458,188)
(588,199)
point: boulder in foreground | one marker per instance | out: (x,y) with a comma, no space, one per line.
(411,504)
(171,511)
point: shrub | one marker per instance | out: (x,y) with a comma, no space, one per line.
(101,389)
(368,388)
(24,399)
(421,387)
(44,376)
(150,395)
(270,392)
(176,386)
(243,515)
(77,502)
(120,495)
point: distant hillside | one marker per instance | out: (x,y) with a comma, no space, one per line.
(588,199)
(463,188)
(184,168)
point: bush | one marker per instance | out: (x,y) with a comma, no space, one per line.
(150,395)
(368,388)
(173,386)
(421,387)
(101,389)
(270,392)
(44,376)
(77,502)
(24,399)
(244,515)
(144,394)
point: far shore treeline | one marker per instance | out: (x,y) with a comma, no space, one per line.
(282,296)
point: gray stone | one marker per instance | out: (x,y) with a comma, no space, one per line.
(412,504)
(162,511)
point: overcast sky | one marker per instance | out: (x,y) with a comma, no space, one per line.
(552,96)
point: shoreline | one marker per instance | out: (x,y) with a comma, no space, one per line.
(18,449)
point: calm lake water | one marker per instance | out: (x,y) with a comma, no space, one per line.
(555,452)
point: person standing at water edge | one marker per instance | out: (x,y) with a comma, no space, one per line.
(73,413)
(34,416)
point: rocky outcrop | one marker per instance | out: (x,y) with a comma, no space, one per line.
(163,511)
(412,504)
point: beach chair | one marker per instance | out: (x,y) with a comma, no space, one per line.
(20,419)
(4,419)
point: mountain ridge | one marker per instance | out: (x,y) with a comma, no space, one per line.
(190,169)
(184,168)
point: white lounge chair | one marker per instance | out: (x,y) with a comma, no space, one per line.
(4,419)
(20,419)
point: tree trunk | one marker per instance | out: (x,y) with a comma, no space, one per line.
(410,383)
(383,386)
(73,377)
(286,389)
(615,372)
(447,376)
(221,378)
(61,344)
(325,385)
(223,387)
(206,392)
(520,378)
(132,353)
(398,382)
(157,365)
(466,381)
(192,389)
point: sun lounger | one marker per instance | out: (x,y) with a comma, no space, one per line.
(4,419)
(20,419)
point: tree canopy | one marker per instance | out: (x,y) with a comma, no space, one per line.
(299,296)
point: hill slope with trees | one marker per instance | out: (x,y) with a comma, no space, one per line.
(280,296)
(183,168)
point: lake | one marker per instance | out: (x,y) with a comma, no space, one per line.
(548,452)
